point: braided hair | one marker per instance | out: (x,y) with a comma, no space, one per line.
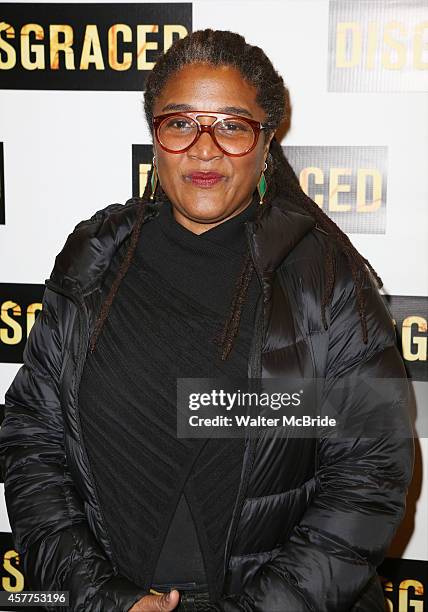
(219,48)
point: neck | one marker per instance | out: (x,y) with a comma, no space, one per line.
(223,238)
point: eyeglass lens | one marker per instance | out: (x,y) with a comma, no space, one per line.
(233,135)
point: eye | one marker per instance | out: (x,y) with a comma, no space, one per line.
(178,124)
(233,126)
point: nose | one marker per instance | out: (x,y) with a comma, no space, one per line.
(205,148)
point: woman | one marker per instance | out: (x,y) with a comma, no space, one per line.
(223,268)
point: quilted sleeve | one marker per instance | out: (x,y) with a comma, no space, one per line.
(330,558)
(57,549)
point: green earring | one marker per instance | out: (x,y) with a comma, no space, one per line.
(262,185)
(153,180)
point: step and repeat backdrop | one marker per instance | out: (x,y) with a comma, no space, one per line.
(73,139)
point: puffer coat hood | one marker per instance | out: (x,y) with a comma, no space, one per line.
(313,517)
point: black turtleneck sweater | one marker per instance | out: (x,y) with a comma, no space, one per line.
(167,502)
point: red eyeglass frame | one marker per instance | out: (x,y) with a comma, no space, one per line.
(256,126)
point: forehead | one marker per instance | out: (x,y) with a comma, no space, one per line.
(206,87)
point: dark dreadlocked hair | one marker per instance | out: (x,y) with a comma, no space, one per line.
(219,48)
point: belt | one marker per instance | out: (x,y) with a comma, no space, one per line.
(191,600)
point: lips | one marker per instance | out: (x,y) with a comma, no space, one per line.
(205,179)
(205,175)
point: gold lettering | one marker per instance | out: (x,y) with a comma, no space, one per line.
(388,588)
(362,204)
(126,33)
(65,46)
(10,61)
(61,40)
(143,45)
(143,170)
(419,341)
(390,46)
(419,46)
(168,34)
(335,188)
(342,30)
(13,325)
(399,47)
(38,61)
(13,571)
(317,173)
(91,51)
(371,45)
(403,596)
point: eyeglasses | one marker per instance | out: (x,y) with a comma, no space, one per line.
(234,135)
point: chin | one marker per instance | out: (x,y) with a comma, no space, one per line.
(207,208)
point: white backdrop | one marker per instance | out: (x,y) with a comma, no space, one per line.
(68,153)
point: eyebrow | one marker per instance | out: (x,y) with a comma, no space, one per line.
(233,110)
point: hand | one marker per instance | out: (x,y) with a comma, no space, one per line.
(157,603)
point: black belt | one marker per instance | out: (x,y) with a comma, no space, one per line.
(191,600)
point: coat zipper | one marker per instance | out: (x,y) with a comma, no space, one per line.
(255,372)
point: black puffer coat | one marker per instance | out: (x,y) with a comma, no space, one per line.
(313,518)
